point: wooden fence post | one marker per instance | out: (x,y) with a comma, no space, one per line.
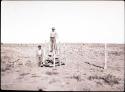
(105,64)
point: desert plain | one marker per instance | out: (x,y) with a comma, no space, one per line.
(83,69)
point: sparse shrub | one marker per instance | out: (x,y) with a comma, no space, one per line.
(4,69)
(93,77)
(116,53)
(23,74)
(85,89)
(110,79)
(99,83)
(83,44)
(48,73)
(51,73)
(77,77)
(28,63)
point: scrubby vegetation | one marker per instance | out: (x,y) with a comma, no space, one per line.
(109,79)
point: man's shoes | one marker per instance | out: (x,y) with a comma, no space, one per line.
(41,65)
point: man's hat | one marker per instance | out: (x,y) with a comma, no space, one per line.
(39,46)
(53,28)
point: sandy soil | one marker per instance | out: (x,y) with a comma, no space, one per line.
(83,69)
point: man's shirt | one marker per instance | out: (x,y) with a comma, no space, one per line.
(53,34)
(39,53)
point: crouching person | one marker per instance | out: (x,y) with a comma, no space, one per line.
(40,56)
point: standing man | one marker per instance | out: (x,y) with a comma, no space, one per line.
(53,39)
(40,56)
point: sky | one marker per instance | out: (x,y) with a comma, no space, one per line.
(74,21)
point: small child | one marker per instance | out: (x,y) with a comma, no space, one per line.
(39,56)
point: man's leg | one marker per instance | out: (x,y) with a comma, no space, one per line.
(41,61)
(55,46)
(50,44)
(38,60)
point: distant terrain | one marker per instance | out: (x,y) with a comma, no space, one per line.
(83,69)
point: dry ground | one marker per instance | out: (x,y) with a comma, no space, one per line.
(83,69)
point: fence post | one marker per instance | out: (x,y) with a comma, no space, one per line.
(105,64)
(59,54)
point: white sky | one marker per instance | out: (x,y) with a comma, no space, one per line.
(75,21)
